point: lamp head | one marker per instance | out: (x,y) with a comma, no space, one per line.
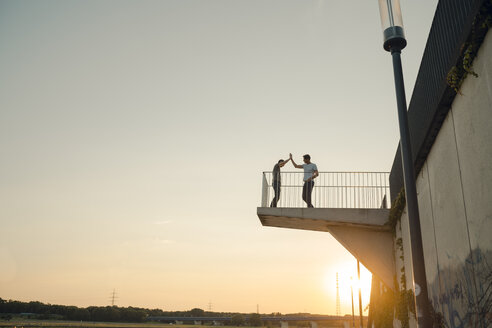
(392,24)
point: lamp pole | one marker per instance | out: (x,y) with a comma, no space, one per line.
(352,298)
(360,297)
(394,42)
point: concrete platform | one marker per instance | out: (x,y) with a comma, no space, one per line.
(321,219)
(363,232)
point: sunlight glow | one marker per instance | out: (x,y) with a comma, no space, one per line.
(345,271)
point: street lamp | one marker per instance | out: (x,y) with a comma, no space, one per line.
(394,42)
(392,24)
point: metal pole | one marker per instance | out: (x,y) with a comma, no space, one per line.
(352,298)
(360,296)
(420,281)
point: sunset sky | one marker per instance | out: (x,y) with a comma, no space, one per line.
(133,135)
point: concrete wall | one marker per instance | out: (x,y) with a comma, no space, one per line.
(403,258)
(455,199)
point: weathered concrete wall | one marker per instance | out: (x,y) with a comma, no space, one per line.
(455,200)
(403,253)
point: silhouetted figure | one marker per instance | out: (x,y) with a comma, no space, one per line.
(276,181)
(310,173)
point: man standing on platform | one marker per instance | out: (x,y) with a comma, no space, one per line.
(276,181)
(310,173)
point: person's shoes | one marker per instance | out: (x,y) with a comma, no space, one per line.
(310,206)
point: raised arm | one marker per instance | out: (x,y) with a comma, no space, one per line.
(294,163)
(283,163)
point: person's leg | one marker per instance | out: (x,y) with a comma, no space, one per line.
(309,190)
(277,194)
(304,192)
(274,200)
(276,190)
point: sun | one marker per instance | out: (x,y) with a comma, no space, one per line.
(347,279)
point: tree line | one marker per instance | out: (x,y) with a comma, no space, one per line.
(38,310)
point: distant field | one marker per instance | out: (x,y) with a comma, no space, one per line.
(33,323)
(18,323)
(83,324)
(26,323)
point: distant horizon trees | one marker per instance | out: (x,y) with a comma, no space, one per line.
(38,310)
(197,312)
(42,311)
(237,320)
(255,320)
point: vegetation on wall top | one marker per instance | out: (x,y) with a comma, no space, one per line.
(469,50)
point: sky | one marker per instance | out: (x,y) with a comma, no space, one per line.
(133,136)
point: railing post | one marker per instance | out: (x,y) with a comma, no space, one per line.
(264,192)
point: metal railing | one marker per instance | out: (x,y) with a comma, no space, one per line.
(331,190)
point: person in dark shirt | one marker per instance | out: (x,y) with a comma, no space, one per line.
(276,181)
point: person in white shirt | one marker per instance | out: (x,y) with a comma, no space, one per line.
(310,173)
